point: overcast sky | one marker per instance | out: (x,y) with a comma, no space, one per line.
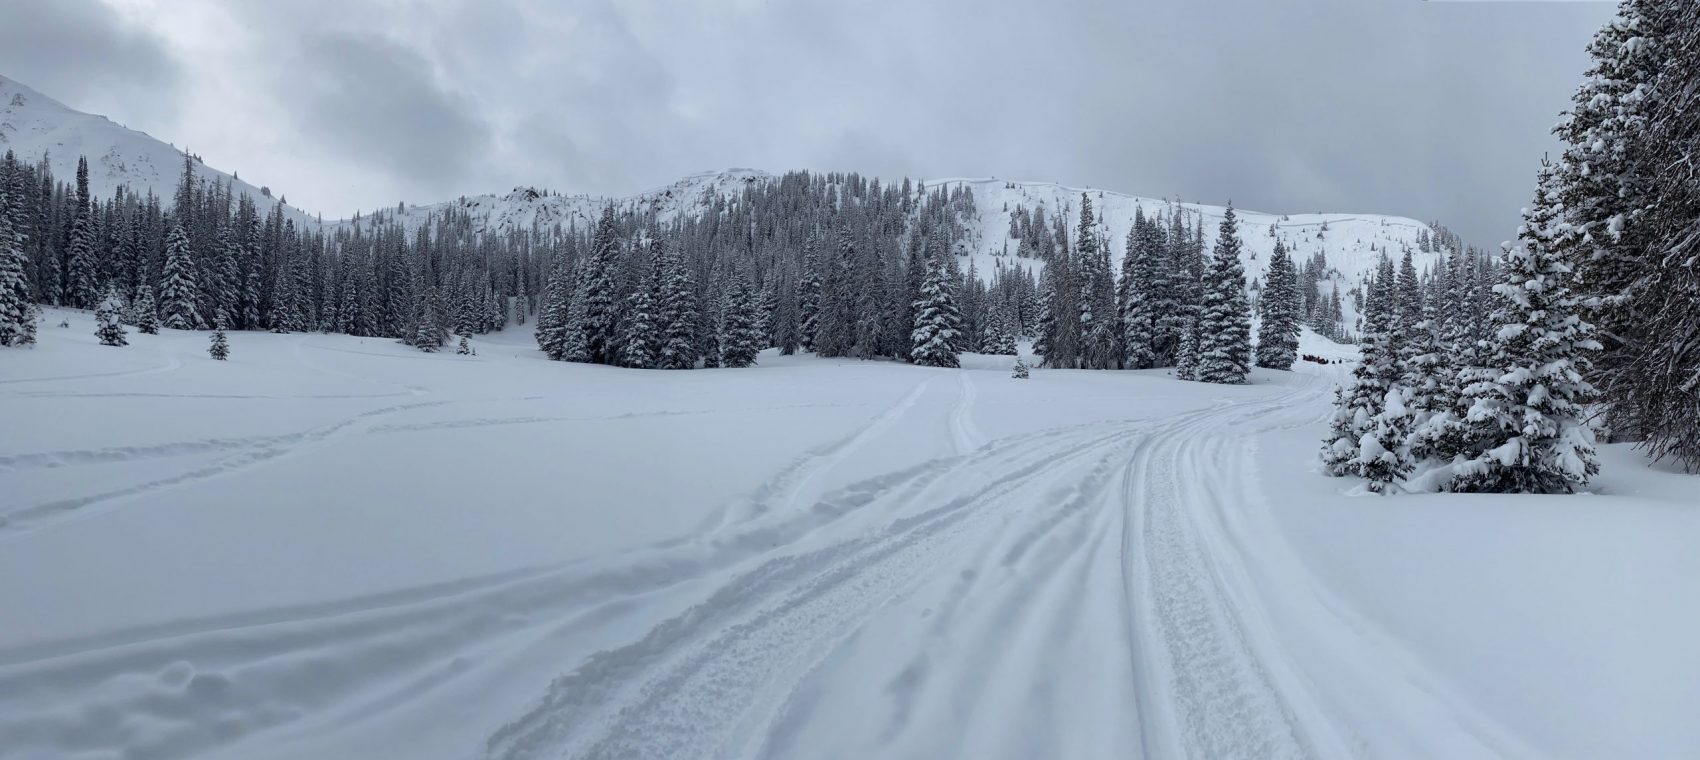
(1423,109)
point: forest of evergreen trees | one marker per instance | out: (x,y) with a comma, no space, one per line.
(1593,321)
(831,263)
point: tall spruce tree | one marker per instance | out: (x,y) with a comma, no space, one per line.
(179,294)
(1357,405)
(678,314)
(937,323)
(740,325)
(1527,431)
(1136,296)
(1278,310)
(599,319)
(1224,326)
(17,314)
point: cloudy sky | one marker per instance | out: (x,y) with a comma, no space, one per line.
(1424,109)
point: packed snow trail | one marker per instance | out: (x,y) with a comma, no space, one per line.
(965,566)
(1017,539)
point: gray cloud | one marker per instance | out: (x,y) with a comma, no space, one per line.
(82,53)
(371,100)
(1431,110)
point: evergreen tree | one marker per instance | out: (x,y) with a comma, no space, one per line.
(178,292)
(809,294)
(1407,316)
(640,338)
(1136,295)
(937,323)
(1278,309)
(1020,371)
(1526,426)
(1357,406)
(1100,328)
(427,332)
(82,275)
(835,330)
(218,347)
(553,317)
(108,327)
(1224,327)
(17,314)
(1383,452)
(597,292)
(1627,188)
(678,315)
(465,347)
(1000,333)
(144,311)
(1059,323)
(740,326)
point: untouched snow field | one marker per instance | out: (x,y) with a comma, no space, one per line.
(334,547)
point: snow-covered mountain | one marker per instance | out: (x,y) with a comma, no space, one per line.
(34,125)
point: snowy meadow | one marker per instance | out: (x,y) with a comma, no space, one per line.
(329,545)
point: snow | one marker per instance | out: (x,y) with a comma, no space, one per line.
(330,546)
(33,125)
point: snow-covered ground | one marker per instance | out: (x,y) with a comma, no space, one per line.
(340,547)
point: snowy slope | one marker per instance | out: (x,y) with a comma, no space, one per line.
(1351,243)
(33,125)
(335,547)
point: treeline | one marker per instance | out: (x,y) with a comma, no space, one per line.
(837,264)
(1592,324)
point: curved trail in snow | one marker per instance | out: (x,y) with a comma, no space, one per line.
(1084,591)
(1070,520)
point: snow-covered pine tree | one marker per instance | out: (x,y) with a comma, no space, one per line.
(427,332)
(937,323)
(144,311)
(108,325)
(553,317)
(835,327)
(787,327)
(178,292)
(741,336)
(1384,455)
(809,293)
(218,346)
(464,348)
(1059,324)
(1020,370)
(1278,309)
(1526,427)
(1627,182)
(17,313)
(1224,327)
(1136,292)
(678,314)
(1407,318)
(82,274)
(597,292)
(1357,405)
(1100,329)
(639,337)
(1000,333)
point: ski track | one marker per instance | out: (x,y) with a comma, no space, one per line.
(708,670)
(1011,545)
(246,453)
(964,435)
